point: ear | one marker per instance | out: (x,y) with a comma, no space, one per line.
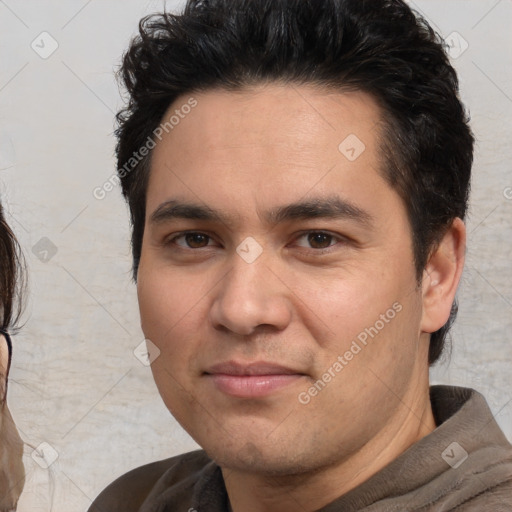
(441,277)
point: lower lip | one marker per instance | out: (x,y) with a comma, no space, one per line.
(252,386)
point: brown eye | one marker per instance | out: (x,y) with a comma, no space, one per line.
(319,240)
(189,240)
(196,240)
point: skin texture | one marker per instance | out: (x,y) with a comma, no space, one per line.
(245,154)
(12,472)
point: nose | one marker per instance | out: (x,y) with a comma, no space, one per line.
(251,295)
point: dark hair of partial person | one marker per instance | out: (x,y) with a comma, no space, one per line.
(12,277)
(380,47)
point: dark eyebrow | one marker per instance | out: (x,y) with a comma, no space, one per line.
(332,207)
(175,209)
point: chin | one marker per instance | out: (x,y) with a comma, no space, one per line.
(262,458)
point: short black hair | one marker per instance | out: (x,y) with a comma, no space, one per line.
(380,47)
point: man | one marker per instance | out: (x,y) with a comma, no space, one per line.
(297,174)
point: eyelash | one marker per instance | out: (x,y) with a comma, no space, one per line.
(340,239)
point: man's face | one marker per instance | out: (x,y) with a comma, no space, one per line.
(293,358)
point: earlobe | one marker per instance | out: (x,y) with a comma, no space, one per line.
(441,277)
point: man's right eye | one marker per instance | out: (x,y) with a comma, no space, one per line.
(192,240)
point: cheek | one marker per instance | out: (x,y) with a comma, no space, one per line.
(346,306)
(172,312)
(375,316)
(164,299)
(155,305)
(163,312)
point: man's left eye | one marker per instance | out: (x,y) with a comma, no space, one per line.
(319,239)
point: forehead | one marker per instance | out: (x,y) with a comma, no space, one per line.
(274,113)
(276,139)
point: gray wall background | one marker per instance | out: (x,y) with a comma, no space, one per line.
(77,391)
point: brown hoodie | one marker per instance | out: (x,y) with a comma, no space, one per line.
(464,465)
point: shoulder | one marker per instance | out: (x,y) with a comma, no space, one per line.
(497,498)
(129,491)
(478,475)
